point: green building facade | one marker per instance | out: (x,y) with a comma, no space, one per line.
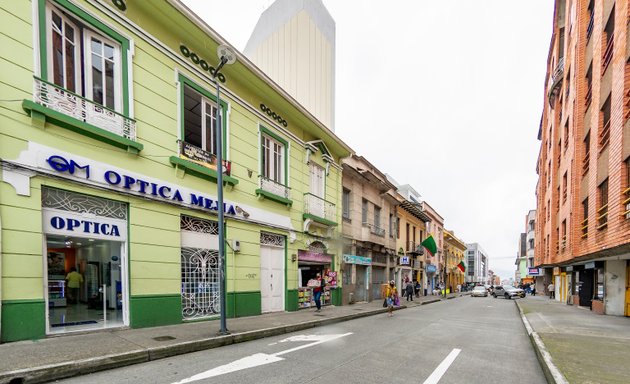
(107,145)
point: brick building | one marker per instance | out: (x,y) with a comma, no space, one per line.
(583,221)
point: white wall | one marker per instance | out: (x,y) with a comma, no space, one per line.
(615,285)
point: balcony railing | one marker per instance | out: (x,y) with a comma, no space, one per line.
(271,186)
(604,137)
(586,162)
(589,96)
(375,229)
(314,205)
(584,225)
(602,218)
(591,23)
(608,53)
(556,81)
(61,100)
(626,203)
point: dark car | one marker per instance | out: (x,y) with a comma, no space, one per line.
(507,291)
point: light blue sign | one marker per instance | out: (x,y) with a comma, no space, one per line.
(431,268)
(352,259)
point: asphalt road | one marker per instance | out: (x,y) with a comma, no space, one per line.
(463,340)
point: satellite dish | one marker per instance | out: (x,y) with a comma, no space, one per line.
(223,51)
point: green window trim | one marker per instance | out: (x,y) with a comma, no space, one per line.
(274,197)
(200,171)
(205,93)
(43,114)
(268,132)
(97,25)
(318,219)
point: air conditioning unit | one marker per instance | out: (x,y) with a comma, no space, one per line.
(236,245)
(420,249)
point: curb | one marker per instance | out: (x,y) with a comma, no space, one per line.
(58,371)
(552,373)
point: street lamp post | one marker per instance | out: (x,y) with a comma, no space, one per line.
(226,56)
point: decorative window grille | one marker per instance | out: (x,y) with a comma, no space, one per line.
(194,224)
(79,203)
(200,283)
(317,247)
(200,272)
(271,239)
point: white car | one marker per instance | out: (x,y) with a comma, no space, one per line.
(479,291)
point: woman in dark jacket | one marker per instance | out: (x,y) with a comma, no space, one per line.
(409,291)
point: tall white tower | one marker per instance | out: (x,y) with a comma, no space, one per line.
(294,44)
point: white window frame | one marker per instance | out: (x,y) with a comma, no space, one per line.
(82,71)
(89,86)
(49,52)
(318,180)
(273,151)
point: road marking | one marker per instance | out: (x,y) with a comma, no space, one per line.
(441,369)
(259,359)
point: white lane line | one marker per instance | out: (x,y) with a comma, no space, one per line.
(441,369)
(259,359)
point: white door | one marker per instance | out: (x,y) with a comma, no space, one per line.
(271,279)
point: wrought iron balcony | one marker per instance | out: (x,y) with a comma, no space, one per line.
(374,229)
(320,208)
(271,186)
(556,81)
(68,103)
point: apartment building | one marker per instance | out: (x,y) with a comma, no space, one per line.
(294,43)
(582,233)
(109,166)
(521,259)
(454,254)
(435,228)
(369,203)
(476,264)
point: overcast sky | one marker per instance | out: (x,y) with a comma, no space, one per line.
(443,95)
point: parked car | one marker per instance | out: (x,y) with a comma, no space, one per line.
(479,291)
(507,291)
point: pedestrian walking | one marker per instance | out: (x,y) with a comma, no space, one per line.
(318,290)
(391,298)
(417,288)
(552,291)
(409,291)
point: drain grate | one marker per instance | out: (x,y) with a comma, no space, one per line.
(164,338)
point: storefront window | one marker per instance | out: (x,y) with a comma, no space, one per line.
(86,259)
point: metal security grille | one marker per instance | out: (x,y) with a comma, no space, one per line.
(193,224)
(200,272)
(200,283)
(271,239)
(79,203)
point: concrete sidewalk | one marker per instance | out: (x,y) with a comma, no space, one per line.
(575,345)
(77,354)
